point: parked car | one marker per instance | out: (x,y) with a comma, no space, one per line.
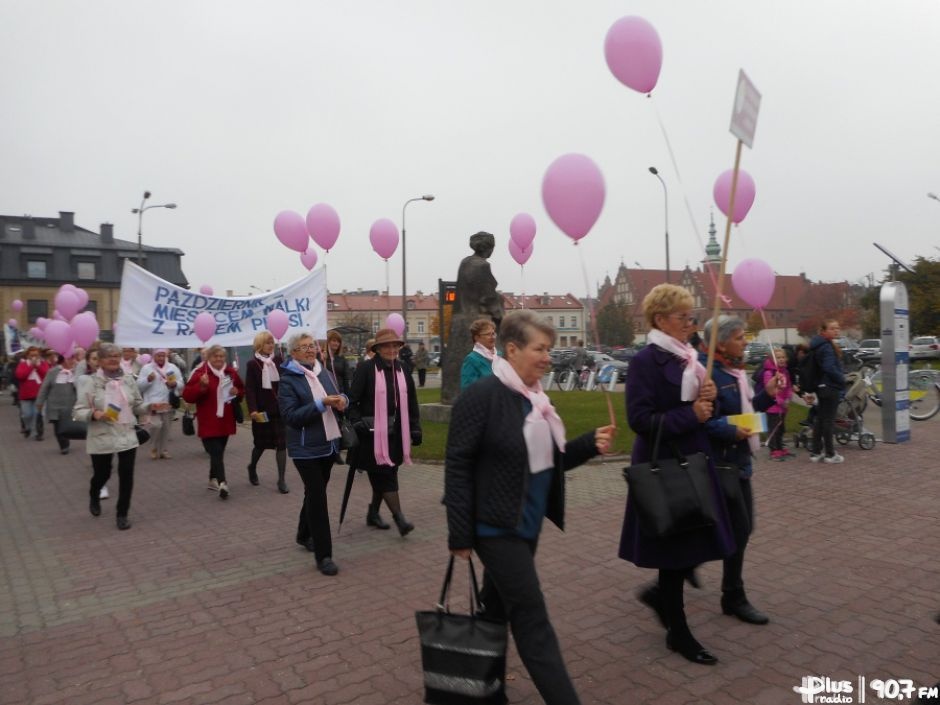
(624,354)
(851,354)
(869,350)
(434,360)
(755,353)
(601,360)
(925,347)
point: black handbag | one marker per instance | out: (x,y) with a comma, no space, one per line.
(70,428)
(349,439)
(463,656)
(174,399)
(188,425)
(143,435)
(671,495)
(729,477)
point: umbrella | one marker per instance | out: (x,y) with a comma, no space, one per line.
(350,476)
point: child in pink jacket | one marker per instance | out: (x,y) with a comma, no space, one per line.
(777,414)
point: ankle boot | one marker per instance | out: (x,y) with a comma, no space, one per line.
(405,527)
(281,484)
(253,474)
(373,519)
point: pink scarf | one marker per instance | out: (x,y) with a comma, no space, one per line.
(269,371)
(222,392)
(747,394)
(330,426)
(542,425)
(127,366)
(694,372)
(380,401)
(65,376)
(484,351)
(114,394)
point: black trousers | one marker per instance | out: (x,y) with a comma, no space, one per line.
(742,523)
(776,423)
(422,376)
(511,592)
(215,447)
(827,403)
(314,520)
(62,440)
(101,465)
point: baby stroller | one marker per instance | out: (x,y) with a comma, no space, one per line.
(848,425)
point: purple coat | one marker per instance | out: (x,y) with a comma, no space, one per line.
(654,387)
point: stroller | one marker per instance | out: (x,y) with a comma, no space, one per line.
(848,425)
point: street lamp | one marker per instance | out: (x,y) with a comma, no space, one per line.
(140,223)
(404,286)
(933,196)
(655,173)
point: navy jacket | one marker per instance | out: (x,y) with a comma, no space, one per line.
(829,363)
(302,415)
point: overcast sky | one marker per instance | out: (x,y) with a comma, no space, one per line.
(236,110)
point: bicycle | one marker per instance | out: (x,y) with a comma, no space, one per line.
(923,386)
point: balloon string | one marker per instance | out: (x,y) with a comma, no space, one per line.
(522,270)
(388,304)
(597,339)
(773,355)
(709,267)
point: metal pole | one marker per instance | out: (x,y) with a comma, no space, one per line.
(655,173)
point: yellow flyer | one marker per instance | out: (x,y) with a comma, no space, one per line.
(752,422)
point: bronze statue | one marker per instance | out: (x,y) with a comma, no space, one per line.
(476,297)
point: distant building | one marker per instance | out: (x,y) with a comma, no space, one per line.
(38,255)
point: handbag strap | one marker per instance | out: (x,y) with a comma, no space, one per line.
(443,604)
(654,461)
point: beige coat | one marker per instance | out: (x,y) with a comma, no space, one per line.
(106,436)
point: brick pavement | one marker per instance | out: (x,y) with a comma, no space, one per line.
(211,602)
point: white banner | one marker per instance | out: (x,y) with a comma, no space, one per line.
(155,313)
(16,340)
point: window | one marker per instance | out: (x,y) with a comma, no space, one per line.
(330,305)
(36,269)
(420,327)
(36,308)
(561,321)
(86,270)
(92,306)
(574,321)
(411,306)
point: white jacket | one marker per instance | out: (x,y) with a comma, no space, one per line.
(157,391)
(106,437)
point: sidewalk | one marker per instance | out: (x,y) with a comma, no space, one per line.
(205,601)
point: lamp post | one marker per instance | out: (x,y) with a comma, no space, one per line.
(933,196)
(140,223)
(404,284)
(655,173)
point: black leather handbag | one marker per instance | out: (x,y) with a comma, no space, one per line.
(672,495)
(349,439)
(71,429)
(143,435)
(463,656)
(188,424)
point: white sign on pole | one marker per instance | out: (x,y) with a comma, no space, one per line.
(746,107)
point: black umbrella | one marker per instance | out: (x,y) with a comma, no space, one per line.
(350,476)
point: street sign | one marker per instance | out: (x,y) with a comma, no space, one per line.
(746,107)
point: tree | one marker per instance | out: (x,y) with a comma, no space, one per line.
(821,302)
(923,292)
(755,323)
(615,324)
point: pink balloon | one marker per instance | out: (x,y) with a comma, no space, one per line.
(743,198)
(12,323)
(36,333)
(144,359)
(204,326)
(41,323)
(278,323)
(68,304)
(522,230)
(85,329)
(206,290)
(573,193)
(16,305)
(396,323)
(82,298)
(520,255)
(384,237)
(634,53)
(291,230)
(309,258)
(59,336)
(323,225)
(68,287)
(754,281)
(56,316)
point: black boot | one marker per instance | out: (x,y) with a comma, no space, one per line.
(405,527)
(373,519)
(252,475)
(735,602)
(678,635)
(281,456)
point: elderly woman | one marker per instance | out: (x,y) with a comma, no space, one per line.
(506,459)
(57,397)
(261,392)
(667,390)
(383,408)
(310,403)
(30,373)
(156,380)
(479,361)
(214,387)
(735,446)
(109,402)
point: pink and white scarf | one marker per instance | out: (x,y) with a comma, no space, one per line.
(330,425)
(34,374)
(269,371)
(380,402)
(114,394)
(747,407)
(127,366)
(221,391)
(484,351)
(542,426)
(65,376)
(694,373)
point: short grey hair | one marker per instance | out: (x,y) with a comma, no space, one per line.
(518,325)
(294,342)
(213,349)
(727,325)
(108,349)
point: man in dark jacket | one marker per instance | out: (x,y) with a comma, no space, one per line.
(831,383)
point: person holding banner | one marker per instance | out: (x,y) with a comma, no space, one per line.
(29,374)
(110,402)
(733,447)
(157,379)
(214,387)
(57,397)
(261,391)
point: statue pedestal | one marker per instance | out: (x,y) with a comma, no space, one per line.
(437,412)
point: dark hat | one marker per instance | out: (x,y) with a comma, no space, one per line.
(386,335)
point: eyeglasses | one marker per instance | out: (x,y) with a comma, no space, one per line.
(488,334)
(306,348)
(685,318)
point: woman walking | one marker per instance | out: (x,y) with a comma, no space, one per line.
(214,387)
(506,459)
(109,402)
(479,361)
(30,372)
(261,393)
(829,386)
(310,402)
(156,381)
(383,408)
(57,397)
